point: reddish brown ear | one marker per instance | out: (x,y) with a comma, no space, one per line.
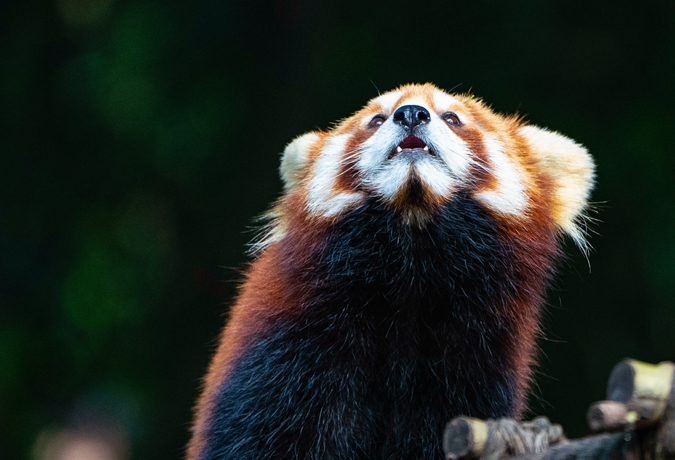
(573,173)
(295,158)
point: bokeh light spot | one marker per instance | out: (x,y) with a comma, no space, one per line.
(123,262)
(130,100)
(102,290)
(139,36)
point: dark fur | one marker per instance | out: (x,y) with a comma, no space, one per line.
(400,329)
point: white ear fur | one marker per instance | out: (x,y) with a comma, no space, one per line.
(294,159)
(572,170)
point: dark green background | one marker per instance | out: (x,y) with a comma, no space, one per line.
(138,140)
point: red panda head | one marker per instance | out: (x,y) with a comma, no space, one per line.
(417,146)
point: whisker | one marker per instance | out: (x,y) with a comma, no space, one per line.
(349,156)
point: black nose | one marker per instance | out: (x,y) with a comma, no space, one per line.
(410,116)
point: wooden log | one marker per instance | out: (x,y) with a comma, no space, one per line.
(467,438)
(606,416)
(637,396)
(641,403)
(616,446)
(642,387)
(464,437)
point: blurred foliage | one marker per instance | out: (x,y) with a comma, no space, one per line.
(139,139)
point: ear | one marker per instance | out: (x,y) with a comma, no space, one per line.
(572,170)
(295,158)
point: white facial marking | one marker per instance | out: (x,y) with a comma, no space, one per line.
(441,175)
(391,180)
(422,102)
(388,100)
(509,196)
(376,150)
(322,198)
(436,178)
(449,147)
(444,101)
(442,171)
(337,204)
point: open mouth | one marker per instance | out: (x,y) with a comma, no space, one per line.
(411,145)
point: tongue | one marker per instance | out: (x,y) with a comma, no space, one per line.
(412,142)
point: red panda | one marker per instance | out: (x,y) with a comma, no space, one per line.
(398,284)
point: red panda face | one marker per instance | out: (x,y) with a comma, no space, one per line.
(415,147)
(416,157)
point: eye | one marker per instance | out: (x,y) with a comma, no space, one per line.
(376,121)
(451,118)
